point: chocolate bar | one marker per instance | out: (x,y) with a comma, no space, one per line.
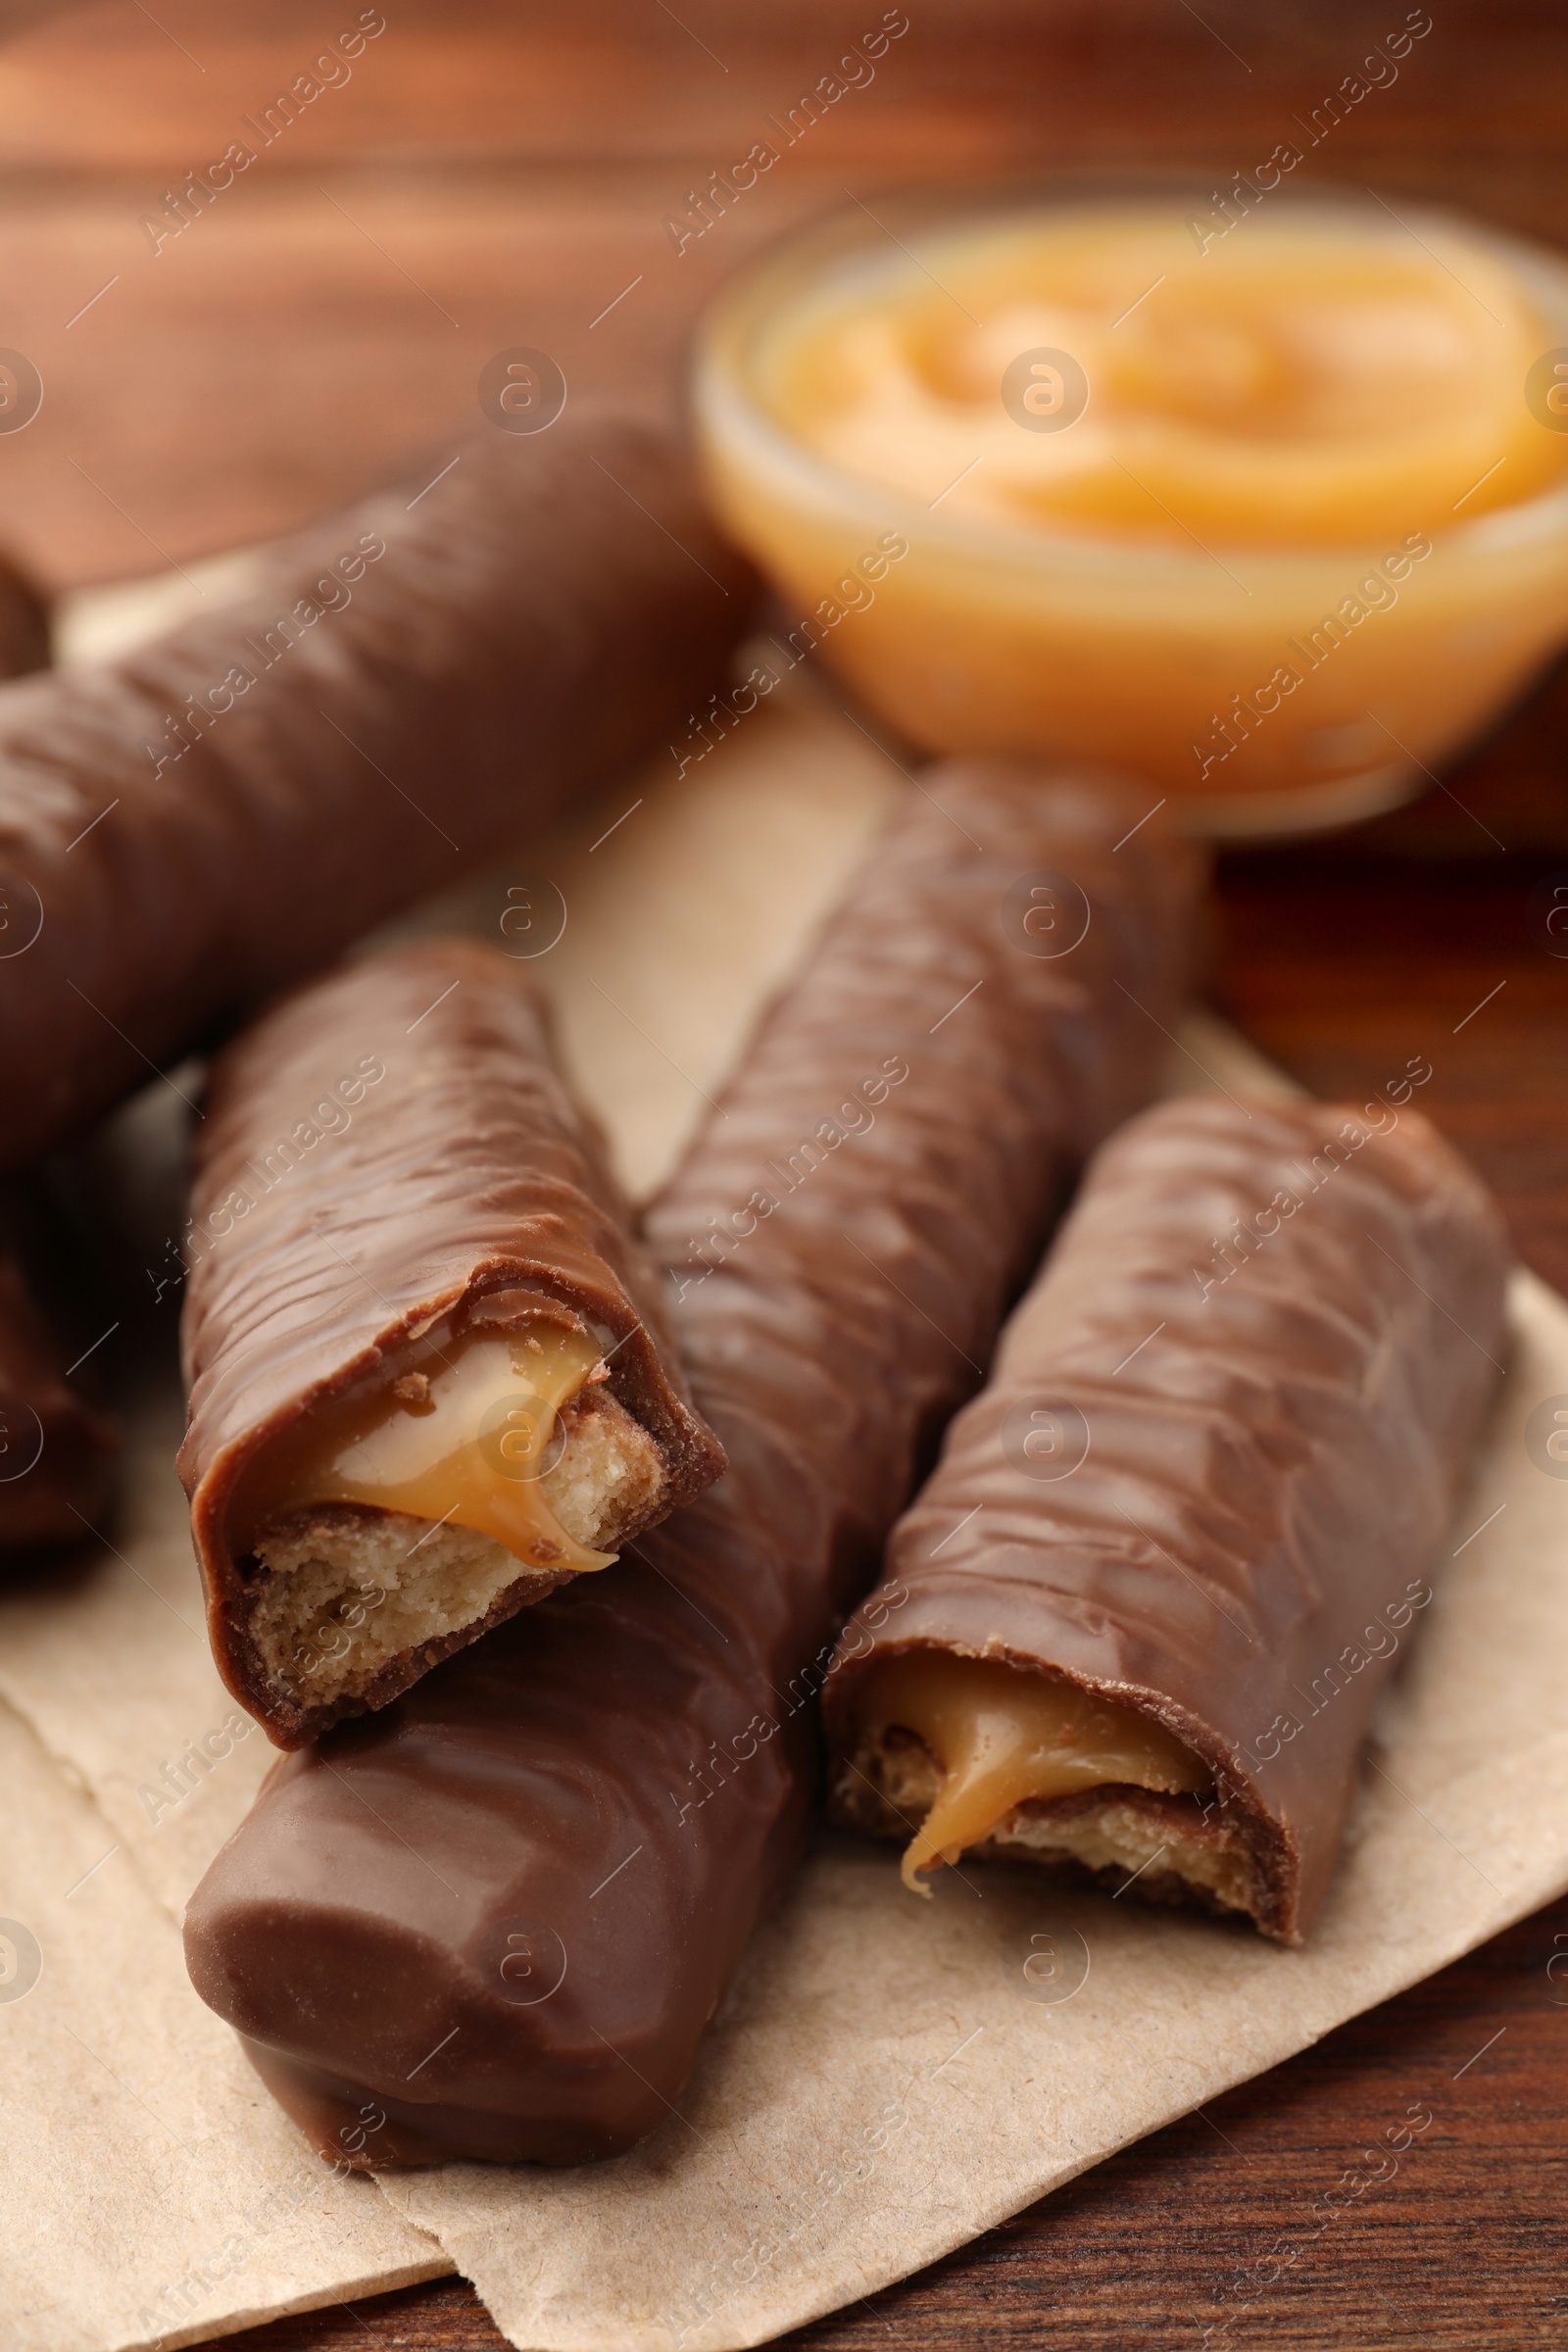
(431,1376)
(497,1917)
(186,830)
(56,1445)
(1147,1599)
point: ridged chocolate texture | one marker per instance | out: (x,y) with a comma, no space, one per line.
(56,1447)
(1279,1403)
(547,1859)
(365,723)
(388,1150)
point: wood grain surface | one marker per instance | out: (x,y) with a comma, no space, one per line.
(494,175)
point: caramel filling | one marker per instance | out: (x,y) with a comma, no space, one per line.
(1320,380)
(466,1440)
(1000,1735)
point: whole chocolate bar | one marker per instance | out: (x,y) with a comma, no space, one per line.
(499,1915)
(56,1446)
(430,1376)
(189,828)
(1149,1596)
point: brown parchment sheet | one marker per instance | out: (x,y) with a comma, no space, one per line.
(147,2188)
(888,2078)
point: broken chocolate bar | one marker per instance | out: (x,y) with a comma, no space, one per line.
(187,829)
(1171,1553)
(509,1906)
(430,1375)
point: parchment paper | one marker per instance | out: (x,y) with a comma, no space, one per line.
(888,2078)
(147,2188)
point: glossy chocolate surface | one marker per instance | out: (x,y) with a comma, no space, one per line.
(1259,1355)
(388,1151)
(504,1910)
(187,829)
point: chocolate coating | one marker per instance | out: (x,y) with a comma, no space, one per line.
(547,1857)
(387,1150)
(1276,1435)
(56,1447)
(366,724)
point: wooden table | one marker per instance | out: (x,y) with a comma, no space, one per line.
(483,181)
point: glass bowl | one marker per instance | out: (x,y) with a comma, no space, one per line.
(1156,659)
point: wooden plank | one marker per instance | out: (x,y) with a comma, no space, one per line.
(295,341)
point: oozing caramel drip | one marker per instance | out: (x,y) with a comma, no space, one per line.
(1000,1735)
(464,1438)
